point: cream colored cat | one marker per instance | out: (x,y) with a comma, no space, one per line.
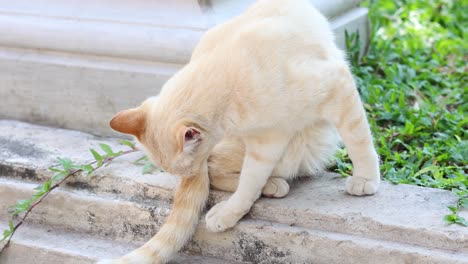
(259,103)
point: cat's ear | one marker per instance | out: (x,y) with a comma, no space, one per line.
(188,138)
(131,121)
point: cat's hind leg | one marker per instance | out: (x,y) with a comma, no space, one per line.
(276,187)
(225,164)
(343,106)
(309,152)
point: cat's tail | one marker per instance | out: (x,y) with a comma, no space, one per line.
(189,200)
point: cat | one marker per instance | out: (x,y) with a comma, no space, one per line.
(265,97)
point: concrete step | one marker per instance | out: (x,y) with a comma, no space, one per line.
(401,223)
(253,240)
(41,245)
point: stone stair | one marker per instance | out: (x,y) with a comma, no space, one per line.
(118,209)
(42,245)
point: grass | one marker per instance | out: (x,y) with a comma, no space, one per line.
(413,82)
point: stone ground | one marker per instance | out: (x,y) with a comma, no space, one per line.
(119,208)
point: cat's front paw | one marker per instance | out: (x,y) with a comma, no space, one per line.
(359,186)
(222,217)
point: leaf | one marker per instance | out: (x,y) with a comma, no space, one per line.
(96,155)
(139,160)
(20,206)
(87,168)
(127,143)
(461,221)
(47,185)
(57,177)
(37,195)
(107,149)
(66,163)
(463,202)
(8,232)
(54,169)
(148,167)
(426,169)
(450,219)
(453,208)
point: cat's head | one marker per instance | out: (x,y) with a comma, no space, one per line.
(179,147)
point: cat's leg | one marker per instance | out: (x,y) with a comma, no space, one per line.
(225,164)
(276,187)
(343,105)
(227,183)
(309,151)
(262,154)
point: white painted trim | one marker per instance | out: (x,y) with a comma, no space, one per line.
(88,61)
(158,30)
(334,8)
(98,38)
(173,13)
(222,9)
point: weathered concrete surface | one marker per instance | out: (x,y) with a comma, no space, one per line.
(409,212)
(254,241)
(39,245)
(76,69)
(27,151)
(400,223)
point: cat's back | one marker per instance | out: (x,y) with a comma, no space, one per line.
(270,26)
(299,13)
(275,48)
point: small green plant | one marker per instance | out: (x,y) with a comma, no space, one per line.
(462,202)
(147,165)
(413,85)
(342,163)
(64,170)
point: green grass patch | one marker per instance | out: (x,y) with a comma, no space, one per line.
(413,82)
